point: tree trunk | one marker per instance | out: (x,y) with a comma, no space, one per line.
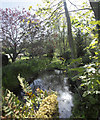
(14,54)
(70,39)
(69,31)
(63,37)
(14,57)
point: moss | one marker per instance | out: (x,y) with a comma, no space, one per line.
(48,108)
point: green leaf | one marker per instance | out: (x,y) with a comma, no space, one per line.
(77,69)
(9,113)
(98,81)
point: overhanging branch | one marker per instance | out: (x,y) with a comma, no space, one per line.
(77,10)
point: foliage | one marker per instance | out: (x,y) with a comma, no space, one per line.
(12,40)
(48,108)
(5,60)
(86,103)
(18,29)
(26,68)
(89,87)
(66,55)
(86,75)
(80,44)
(13,108)
(57,63)
(85,107)
(91,76)
(87,84)
(78,109)
(29,69)
(54,24)
(83,72)
(53,10)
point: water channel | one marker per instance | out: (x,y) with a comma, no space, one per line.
(56,80)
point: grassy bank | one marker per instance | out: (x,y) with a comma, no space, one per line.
(26,68)
(29,69)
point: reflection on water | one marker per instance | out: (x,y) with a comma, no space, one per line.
(58,82)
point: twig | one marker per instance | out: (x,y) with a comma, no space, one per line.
(73,4)
(78,10)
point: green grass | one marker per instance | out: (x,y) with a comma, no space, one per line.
(23,58)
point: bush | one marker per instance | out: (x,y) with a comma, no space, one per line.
(14,108)
(66,55)
(5,60)
(48,108)
(10,73)
(89,89)
(26,68)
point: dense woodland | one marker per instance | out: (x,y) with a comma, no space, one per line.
(52,37)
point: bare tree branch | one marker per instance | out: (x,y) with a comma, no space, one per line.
(73,4)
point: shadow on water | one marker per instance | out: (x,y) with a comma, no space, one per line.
(56,80)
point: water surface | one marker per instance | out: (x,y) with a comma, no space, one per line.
(56,80)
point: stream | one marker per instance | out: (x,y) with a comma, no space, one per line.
(56,80)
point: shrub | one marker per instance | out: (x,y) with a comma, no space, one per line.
(5,59)
(89,89)
(66,55)
(14,108)
(48,107)
(26,68)
(10,73)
